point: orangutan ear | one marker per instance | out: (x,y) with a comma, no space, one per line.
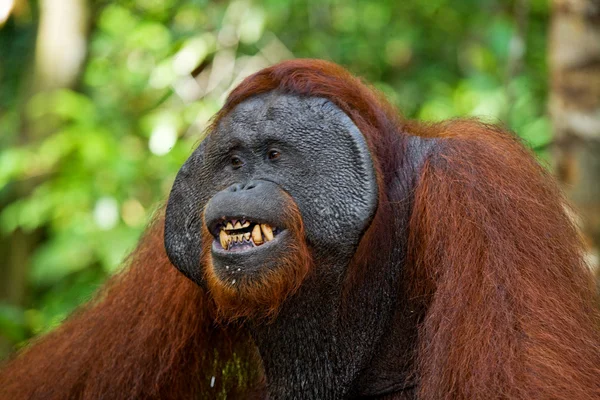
(183,219)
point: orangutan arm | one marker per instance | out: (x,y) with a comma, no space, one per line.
(500,265)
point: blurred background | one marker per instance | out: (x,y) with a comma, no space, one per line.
(102,101)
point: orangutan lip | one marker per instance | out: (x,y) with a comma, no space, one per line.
(243,234)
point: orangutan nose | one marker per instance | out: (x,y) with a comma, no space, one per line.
(238,187)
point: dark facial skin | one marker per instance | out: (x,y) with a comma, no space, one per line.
(270,150)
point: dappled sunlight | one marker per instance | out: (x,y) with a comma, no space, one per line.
(100,104)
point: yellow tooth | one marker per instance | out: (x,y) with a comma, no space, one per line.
(246,224)
(223,239)
(247,235)
(240,238)
(229,226)
(268,232)
(256,235)
(238,225)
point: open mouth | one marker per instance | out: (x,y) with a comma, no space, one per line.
(243,234)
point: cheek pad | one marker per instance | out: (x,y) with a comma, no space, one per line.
(183,219)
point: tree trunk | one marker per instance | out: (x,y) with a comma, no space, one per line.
(574,63)
(60,50)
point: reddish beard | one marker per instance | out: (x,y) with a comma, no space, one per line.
(260,296)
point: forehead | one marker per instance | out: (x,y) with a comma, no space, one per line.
(311,121)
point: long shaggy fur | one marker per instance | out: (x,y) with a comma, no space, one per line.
(499,264)
(495,272)
(148,335)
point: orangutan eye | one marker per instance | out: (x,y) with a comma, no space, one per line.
(236,162)
(273,154)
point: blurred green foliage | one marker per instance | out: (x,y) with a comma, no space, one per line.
(83,168)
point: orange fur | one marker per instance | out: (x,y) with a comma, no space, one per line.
(147,336)
(495,272)
(498,265)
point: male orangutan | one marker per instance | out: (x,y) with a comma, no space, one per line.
(332,250)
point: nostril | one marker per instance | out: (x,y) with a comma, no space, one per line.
(236,188)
